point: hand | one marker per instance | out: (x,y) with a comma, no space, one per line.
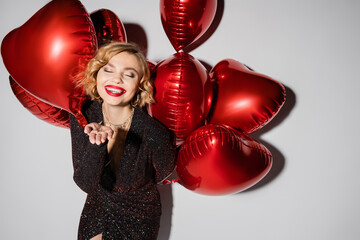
(98,133)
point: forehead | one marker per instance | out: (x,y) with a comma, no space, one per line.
(125,60)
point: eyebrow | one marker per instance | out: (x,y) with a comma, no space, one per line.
(128,68)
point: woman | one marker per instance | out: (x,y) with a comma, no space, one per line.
(122,153)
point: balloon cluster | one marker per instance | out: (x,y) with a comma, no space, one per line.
(210,112)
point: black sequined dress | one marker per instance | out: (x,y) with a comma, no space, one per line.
(125,206)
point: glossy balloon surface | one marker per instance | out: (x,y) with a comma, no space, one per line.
(108,27)
(45,54)
(245,100)
(39,109)
(183,94)
(218,160)
(185,21)
(152,66)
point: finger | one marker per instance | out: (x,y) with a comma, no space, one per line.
(92,137)
(110,134)
(104,136)
(87,129)
(108,131)
(90,127)
(98,138)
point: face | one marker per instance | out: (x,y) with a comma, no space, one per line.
(118,81)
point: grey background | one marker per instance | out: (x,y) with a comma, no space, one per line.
(313,190)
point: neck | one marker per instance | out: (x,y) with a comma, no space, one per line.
(117,114)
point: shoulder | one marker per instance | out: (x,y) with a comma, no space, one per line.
(150,123)
(153,129)
(91,111)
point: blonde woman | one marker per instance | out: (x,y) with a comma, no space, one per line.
(122,153)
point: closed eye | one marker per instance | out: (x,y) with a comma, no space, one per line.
(130,75)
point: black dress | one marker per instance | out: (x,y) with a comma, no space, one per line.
(125,206)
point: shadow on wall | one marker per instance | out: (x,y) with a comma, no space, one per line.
(278,158)
(166,197)
(278,165)
(136,34)
(212,28)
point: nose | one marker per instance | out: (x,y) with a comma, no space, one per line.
(118,79)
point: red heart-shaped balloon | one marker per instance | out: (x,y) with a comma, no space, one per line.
(218,160)
(186,21)
(41,110)
(183,94)
(46,53)
(108,27)
(244,99)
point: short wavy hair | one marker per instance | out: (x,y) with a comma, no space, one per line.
(87,81)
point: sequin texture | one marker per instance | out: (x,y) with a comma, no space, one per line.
(125,206)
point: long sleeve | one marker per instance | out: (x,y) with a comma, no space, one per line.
(88,159)
(164,156)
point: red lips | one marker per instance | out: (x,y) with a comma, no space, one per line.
(114,91)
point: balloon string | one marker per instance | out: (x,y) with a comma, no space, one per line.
(170,181)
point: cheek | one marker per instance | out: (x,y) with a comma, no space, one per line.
(99,77)
(134,86)
(98,86)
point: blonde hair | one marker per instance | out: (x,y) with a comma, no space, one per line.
(87,81)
